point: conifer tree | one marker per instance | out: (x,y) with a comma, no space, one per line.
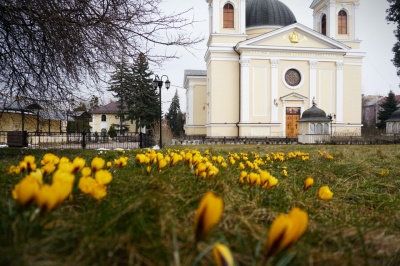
(389,105)
(175,117)
(120,84)
(143,99)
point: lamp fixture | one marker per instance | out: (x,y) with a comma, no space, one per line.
(276,102)
(158,82)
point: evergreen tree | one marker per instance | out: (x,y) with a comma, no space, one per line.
(133,86)
(143,99)
(120,84)
(175,117)
(389,105)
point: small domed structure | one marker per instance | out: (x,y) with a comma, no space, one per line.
(395,117)
(268,13)
(314,114)
(314,126)
(393,123)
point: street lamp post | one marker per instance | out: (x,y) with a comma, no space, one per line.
(157,82)
(331,117)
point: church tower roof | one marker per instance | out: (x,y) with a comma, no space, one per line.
(268,13)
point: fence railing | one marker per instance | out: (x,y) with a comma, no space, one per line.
(135,140)
(75,140)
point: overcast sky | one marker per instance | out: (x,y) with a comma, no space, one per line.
(379,74)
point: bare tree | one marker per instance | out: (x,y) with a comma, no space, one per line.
(49,48)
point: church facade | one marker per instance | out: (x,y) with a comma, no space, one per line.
(263,70)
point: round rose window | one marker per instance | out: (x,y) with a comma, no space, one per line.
(292,77)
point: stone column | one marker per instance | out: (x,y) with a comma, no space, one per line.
(331,20)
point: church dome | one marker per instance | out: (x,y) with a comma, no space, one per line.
(314,114)
(395,117)
(268,13)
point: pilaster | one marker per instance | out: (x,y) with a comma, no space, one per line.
(313,80)
(339,92)
(244,90)
(274,89)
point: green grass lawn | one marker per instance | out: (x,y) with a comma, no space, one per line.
(148,219)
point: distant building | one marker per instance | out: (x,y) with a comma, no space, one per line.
(24,115)
(107,115)
(371,108)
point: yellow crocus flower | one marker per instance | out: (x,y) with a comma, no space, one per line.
(50,158)
(207,215)
(148,169)
(30,162)
(99,191)
(25,191)
(103,177)
(243,175)
(97,163)
(222,255)
(63,176)
(47,198)
(308,183)
(86,184)
(62,189)
(254,179)
(86,171)
(285,230)
(324,193)
(48,168)
(78,163)
(161,164)
(271,182)
(38,175)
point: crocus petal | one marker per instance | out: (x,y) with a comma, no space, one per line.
(308,183)
(207,215)
(324,193)
(222,255)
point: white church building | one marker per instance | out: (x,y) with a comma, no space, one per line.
(263,70)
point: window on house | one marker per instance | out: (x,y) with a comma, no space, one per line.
(342,22)
(228,16)
(103,118)
(323,25)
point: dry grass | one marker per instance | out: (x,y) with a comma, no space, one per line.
(148,219)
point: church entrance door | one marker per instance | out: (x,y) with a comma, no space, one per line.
(292,127)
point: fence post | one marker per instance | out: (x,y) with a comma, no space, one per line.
(141,140)
(83,140)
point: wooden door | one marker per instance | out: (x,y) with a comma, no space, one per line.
(292,127)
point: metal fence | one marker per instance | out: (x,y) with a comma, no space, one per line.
(65,140)
(83,140)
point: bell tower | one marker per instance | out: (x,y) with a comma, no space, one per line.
(227,16)
(338,20)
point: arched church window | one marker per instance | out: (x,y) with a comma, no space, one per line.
(342,22)
(103,118)
(323,25)
(228,16)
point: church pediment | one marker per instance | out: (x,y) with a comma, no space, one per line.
(294,97)
(293,37)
